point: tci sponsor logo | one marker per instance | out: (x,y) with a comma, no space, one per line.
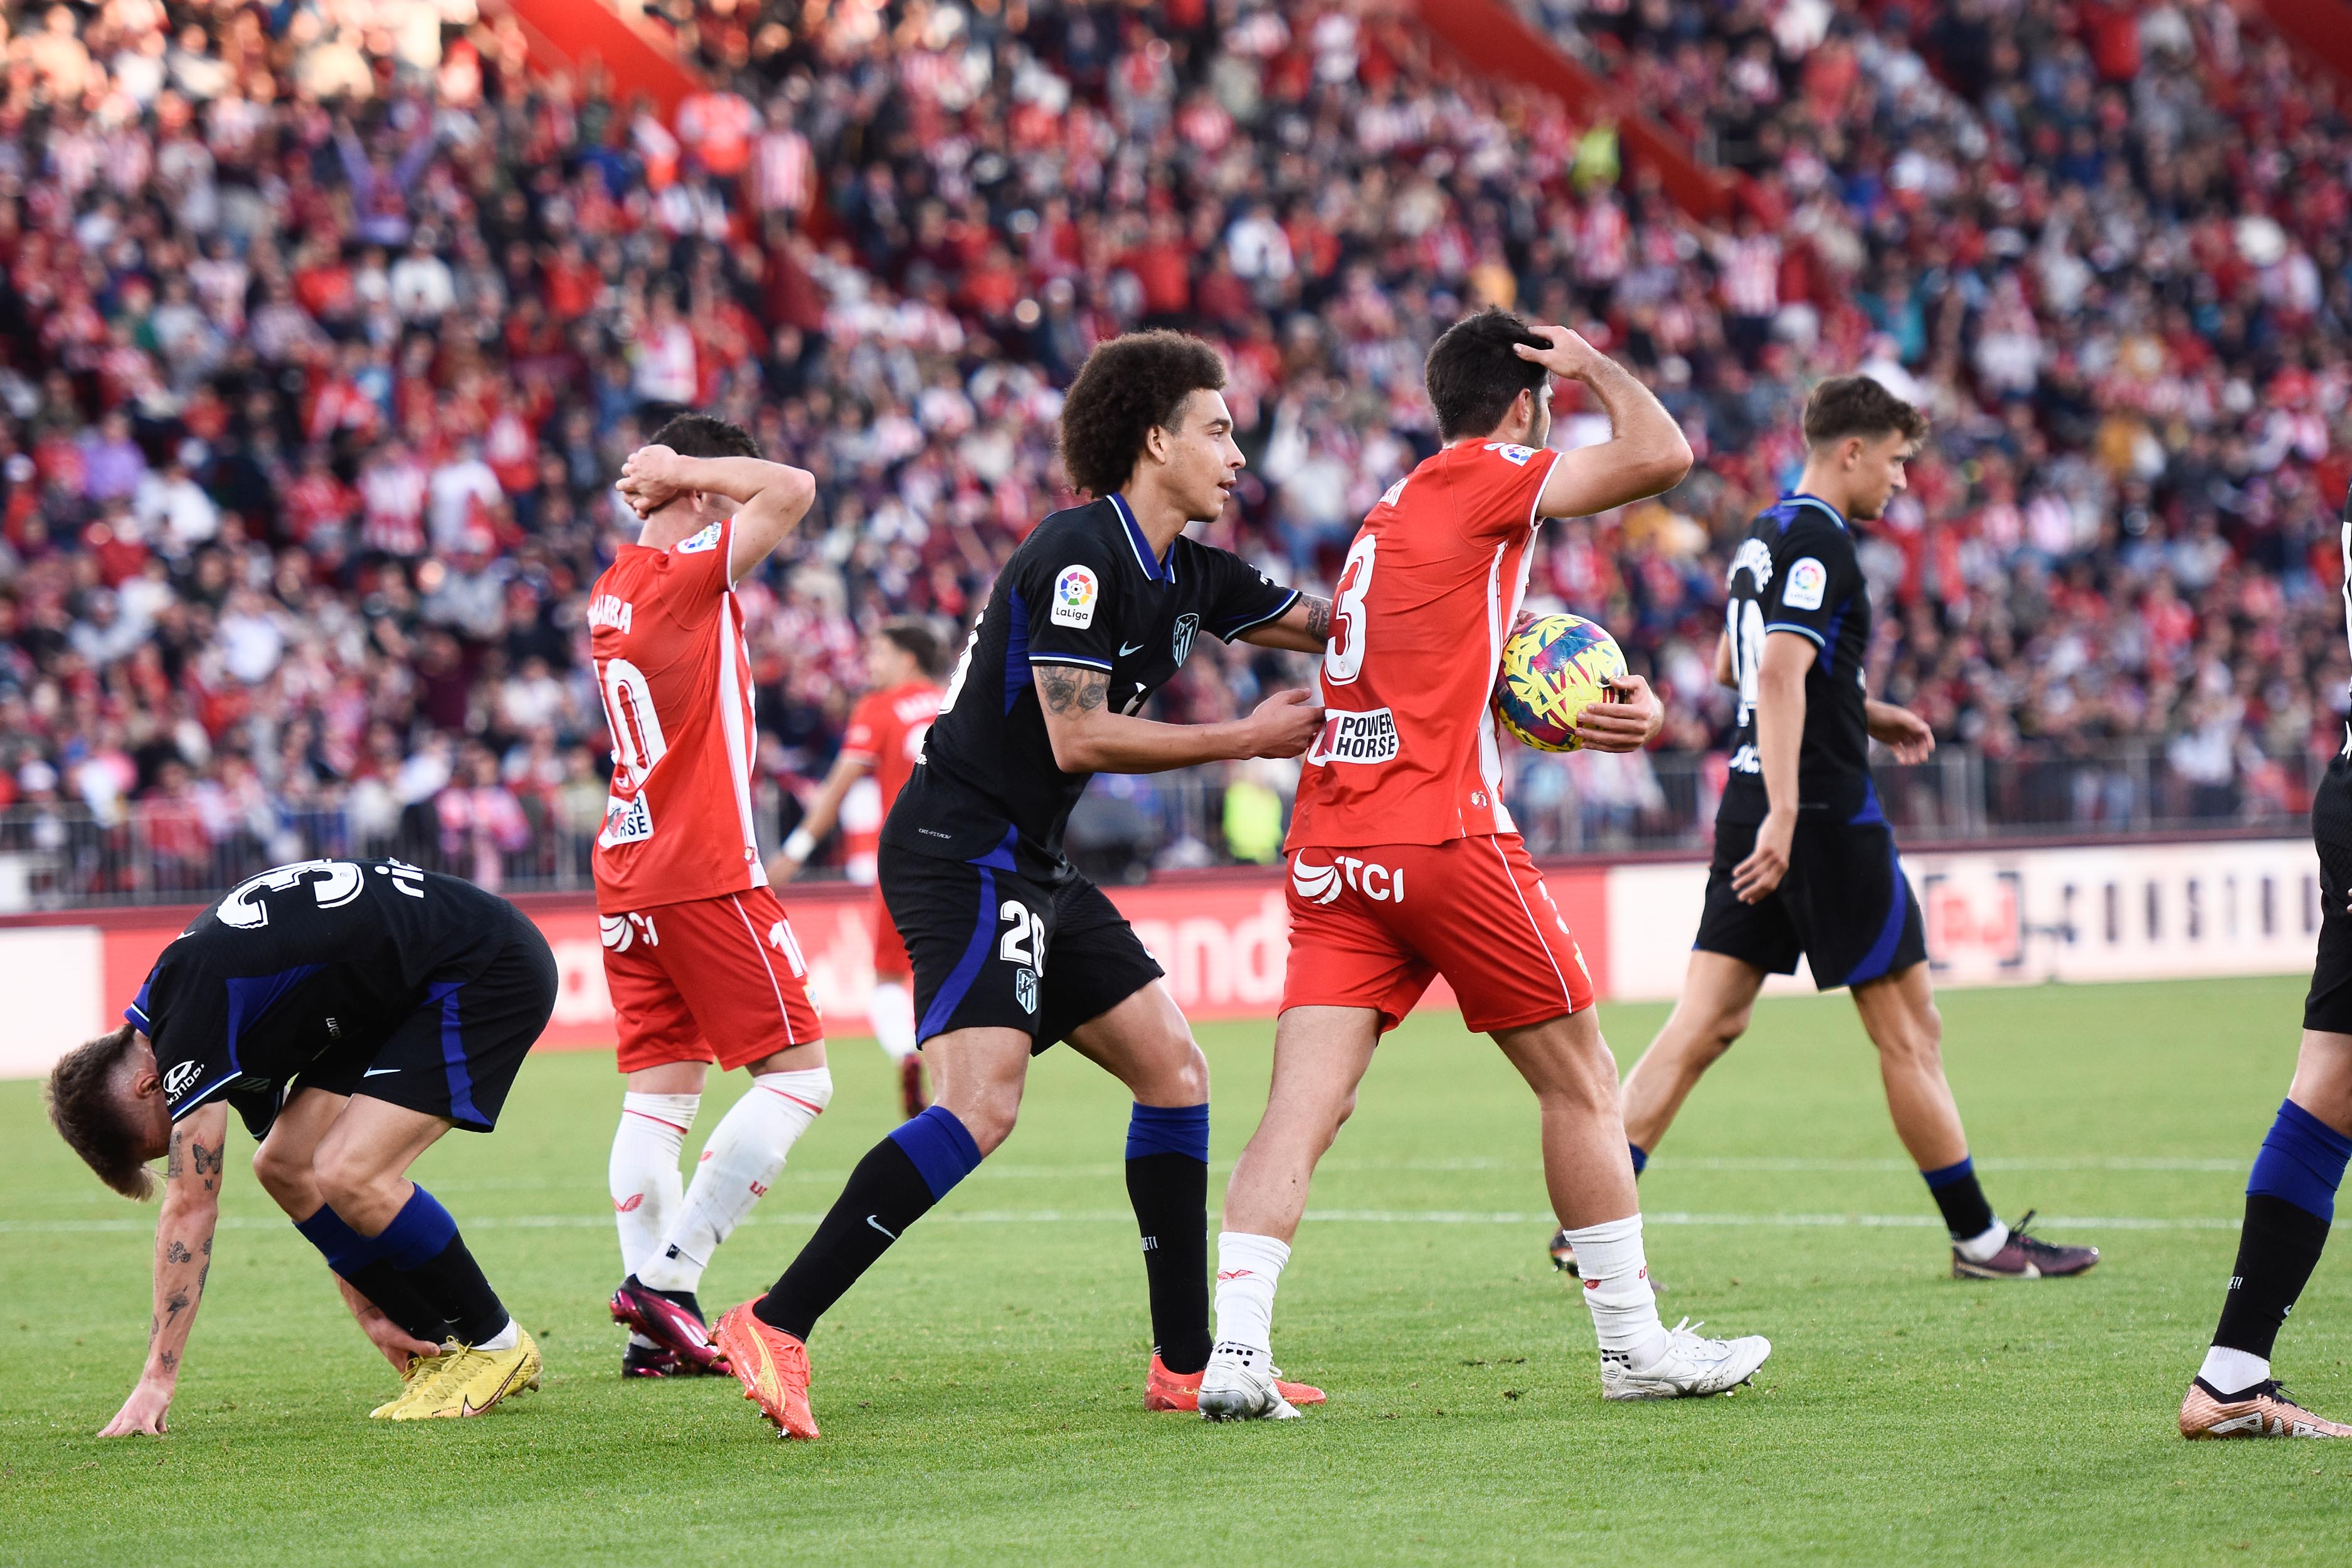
(1321,884)
(1368,737)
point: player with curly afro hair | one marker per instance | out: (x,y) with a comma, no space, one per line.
(1128,388)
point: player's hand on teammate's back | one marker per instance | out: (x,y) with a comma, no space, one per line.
(1570,356)
(142,1414)
(1754,879)
(1627,724)
(1284,724)
(1900,730)
(648,481)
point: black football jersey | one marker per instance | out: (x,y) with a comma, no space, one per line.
(301,964)
(1797,571)
(1083,589)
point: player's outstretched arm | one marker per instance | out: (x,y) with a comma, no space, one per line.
(823,812)
(1089,738)
(183,1257)
(1305,627)
(772,497)
(1646,455)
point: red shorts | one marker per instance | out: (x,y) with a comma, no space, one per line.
(1372,927)
(716,980)
(890,960)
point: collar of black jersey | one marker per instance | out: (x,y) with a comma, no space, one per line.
(1789,496)
(1162,570)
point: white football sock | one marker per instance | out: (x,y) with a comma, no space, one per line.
(740,1164)
(890,1009)
(1248,1268)
(1617,1290)
(506,1339)
(1977,1248)
(2233,1371)
(644,1172)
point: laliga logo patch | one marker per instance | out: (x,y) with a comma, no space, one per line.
(1074,592)
(1188,626)
(707,540)
(1315,884)
(1808,580)
(1511,454)
(180,1080)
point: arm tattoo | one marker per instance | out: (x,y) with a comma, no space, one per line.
(207,1162)
(1071,690)
(178,1253)
(172,1166)
(1318,616)
(170,1360)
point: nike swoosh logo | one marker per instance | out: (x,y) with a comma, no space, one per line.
(877,1225)
(378,1072)
(1124,651)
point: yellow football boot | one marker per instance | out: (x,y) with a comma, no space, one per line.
(473,1380)
(421,1370)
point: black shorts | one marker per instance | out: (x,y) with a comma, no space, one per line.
(2328,1007)
(979,937)
(1845,904)
(457,1055)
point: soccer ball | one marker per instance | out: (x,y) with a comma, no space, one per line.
(1554,668)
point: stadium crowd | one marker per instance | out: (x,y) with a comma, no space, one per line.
(326,327)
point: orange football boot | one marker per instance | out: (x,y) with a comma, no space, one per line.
(1165,1390)
(772,1366)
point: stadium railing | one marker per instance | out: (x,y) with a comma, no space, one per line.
(64,856)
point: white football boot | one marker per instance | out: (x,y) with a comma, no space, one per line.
(1240,1387)
(1692,1367)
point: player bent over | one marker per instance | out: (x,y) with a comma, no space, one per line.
(885,740)
(1804,859)
(353,1012)
(1405,865)
(699,955)
(2291,1192)
(1014,949)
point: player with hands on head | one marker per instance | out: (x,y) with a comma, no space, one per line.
(1405,864)
(883,742)
(1014,949)
(1805,862)
(699,954)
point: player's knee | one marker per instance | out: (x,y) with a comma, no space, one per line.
(345,1180)
(989,1117)
(1188,1077)
(283,1175)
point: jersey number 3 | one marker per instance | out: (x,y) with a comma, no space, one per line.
(1343,660)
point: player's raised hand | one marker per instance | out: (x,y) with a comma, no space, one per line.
(1900,730)
(1570,356)
(1628,723)
(1284,724)
(142,1414)
(1754,879)
(650,480)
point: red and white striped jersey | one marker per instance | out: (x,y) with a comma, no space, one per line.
(1430,591)
(667,634)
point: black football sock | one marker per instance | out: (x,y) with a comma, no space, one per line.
(423,1244)
(897,1183)
(685,1298)
(1965,1211)
(2277,1250)
(2290,1204)
(360,1261)
(1167,1183)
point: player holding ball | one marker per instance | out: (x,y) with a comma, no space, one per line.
(1405,864)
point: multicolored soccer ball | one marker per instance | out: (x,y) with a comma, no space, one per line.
(1554,668)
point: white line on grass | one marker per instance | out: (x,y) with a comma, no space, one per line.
(1106,1217)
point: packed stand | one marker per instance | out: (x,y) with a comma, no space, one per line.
(327,326)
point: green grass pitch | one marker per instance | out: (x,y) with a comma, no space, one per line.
(980,1390)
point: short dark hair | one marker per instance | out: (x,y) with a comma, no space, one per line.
(1847,405)
(1128,386)
(703,436)
(1474,377)
(914,640)
(88,1114)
